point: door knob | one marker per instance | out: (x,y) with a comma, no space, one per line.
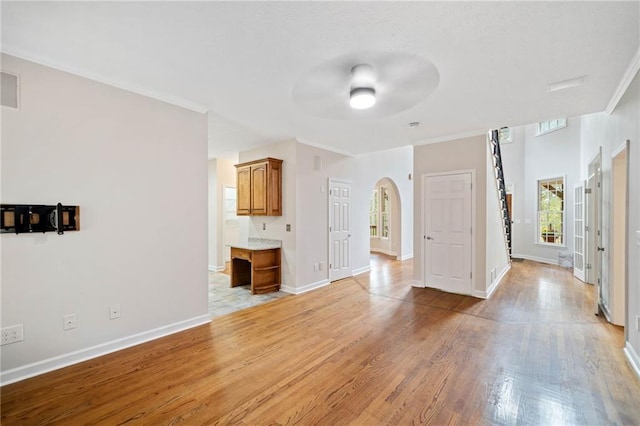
(429,238)
(600,248)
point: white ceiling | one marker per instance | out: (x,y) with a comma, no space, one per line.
(243,60)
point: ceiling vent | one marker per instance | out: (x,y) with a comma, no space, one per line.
(9,90)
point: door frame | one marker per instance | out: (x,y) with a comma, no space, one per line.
(594,223)
(329,217)
(617,240)
(474,226)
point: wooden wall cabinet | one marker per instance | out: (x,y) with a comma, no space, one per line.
(259,186)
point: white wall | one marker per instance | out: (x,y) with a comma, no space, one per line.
(462,154)
(251,226)
(137,168)
(305,206)
(215,233)
(610,131)
(531,158)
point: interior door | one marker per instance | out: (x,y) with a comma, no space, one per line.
(579,232)
(339,229)
(447,232)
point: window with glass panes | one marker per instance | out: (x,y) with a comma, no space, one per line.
(379,210)
(551,196)
(373,214)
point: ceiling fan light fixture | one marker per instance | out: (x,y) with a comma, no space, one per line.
(362,97)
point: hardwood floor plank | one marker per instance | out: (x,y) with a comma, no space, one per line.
(365,350)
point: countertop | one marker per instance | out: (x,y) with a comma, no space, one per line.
(257,244)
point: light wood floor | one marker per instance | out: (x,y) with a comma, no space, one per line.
(366,350)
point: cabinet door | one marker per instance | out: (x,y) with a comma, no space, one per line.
(259,189)
(243,201)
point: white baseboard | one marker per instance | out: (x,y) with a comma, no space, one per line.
(216,268)
(406,257)
(494,285)
(306,288)
(418,284)
(536,259)
(362,270)
(55,363)
(383,251)
(632,357)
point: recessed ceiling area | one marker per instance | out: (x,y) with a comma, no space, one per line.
(264,69)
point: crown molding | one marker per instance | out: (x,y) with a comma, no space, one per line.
(627,78)
(120,84)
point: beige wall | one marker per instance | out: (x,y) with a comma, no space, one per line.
(137,168)
(462,154)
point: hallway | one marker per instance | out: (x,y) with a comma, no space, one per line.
(365,350)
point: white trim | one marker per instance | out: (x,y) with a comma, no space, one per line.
(306,288)
(627,78)
(384,251)
(553,262)
(448,138)
(632,357)
(406,257)
(75,357)
(494,285)
(216,268)
(418,284)
(361,270)
(120,84)
(619,150)
(325,147)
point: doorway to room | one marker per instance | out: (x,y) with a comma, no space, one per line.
(385,235)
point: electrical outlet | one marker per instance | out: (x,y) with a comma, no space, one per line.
(321,265)
(12,334)
(69,322)
(315,266)
(114,311)
(288,227)
(264,226)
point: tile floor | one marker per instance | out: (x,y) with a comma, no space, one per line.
(224,299)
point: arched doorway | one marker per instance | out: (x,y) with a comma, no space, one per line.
(385,235)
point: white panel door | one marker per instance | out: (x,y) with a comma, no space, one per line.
(339,229)
(579,232)
(447,232)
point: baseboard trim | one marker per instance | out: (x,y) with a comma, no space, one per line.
(406,257)
(383,251)
(24,372)
(418,284)
(362,270)
(536,259)
(494,285)
(216,268)
(632,357)
(306,288)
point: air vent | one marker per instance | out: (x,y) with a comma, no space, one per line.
(9,90)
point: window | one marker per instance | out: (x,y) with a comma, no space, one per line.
(504,135)
(384,211)
(549,126)
(551,211)
(379,210)
(373,214)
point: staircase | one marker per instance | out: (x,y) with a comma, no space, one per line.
(502,191)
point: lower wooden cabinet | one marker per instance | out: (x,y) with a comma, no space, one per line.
(260,268)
